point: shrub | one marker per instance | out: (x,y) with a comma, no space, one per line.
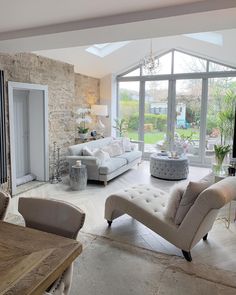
(158,121)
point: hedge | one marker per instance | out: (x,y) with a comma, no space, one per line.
(159,122)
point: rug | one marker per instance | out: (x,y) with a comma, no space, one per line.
(108,267)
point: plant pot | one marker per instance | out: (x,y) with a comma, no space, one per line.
(83,135)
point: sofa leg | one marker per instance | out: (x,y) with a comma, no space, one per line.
(187,255)
(205,237)
(105,183)
(109,222)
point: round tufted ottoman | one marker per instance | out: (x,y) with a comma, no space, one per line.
(169,168)
(142,202)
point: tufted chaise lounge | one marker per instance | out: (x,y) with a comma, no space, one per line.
(147,205)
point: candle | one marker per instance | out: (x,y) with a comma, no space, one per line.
(78,163)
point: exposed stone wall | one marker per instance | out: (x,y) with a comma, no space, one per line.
(87,90)
(87,93)
(67,91)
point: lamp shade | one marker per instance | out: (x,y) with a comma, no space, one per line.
(99,110)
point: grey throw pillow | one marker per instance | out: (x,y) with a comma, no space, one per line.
(190,195)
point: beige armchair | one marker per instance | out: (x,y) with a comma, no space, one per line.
(4,203)
(57,217)
(146,204)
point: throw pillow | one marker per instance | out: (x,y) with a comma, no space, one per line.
(101,155)
(113,149)
(176,194)
(189,197)
(210,178)
(127,144)
(87,152)
(119,141)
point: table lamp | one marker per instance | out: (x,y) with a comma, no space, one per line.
(99,111)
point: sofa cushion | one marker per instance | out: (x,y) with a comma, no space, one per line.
(111,165)
(130,156)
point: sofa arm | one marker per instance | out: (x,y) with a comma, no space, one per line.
(86,160)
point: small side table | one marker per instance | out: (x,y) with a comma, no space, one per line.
(226,219)
(78,177)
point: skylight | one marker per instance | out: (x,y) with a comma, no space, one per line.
(100,46)
(210,37)
(105,49)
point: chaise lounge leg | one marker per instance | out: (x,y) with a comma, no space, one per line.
(109,222)
(105,183)
(187,255)
(205,237)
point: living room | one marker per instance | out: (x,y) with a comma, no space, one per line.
(122,99)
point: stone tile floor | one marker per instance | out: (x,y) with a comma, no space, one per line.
(217,251)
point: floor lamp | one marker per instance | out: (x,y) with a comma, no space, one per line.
(99,111)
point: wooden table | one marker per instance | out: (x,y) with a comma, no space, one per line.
(31,260)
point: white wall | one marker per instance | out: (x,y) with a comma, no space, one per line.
(36,133)
(108,97)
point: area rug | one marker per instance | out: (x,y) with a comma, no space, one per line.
(108,267)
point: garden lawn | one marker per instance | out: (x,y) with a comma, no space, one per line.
(155,136)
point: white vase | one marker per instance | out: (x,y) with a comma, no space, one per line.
(83,135)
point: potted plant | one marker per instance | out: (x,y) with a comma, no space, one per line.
(83,118)
(221,152)
(120,126)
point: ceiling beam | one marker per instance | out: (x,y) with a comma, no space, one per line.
(129,28)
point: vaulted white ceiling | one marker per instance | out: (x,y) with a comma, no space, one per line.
(28,25)
(25,14)
(130,54)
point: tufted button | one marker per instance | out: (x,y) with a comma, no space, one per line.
(148,189)
(147,200)
(155,196)
(155,210)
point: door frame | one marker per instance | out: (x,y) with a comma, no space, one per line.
(27,86)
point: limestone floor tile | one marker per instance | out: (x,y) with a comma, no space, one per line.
(218,250)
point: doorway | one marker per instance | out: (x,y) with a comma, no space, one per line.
(28,118)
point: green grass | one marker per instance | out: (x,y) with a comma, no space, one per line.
(155,136)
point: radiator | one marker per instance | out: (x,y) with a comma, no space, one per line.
(3,153)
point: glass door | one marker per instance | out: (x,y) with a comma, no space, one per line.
(220,114)
(129,108)
(188,109)
(155,116)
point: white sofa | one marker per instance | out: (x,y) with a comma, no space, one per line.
(106,170)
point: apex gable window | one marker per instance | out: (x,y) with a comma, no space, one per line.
(180,105)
